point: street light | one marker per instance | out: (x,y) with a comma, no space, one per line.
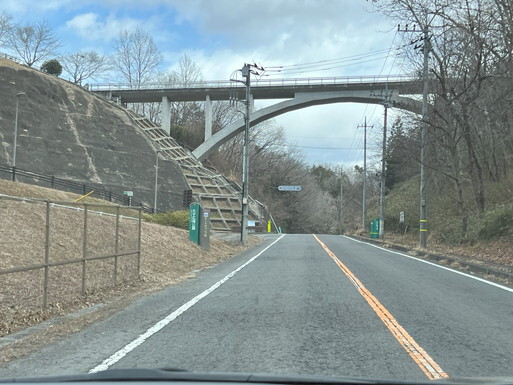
(156,182)
(18,94)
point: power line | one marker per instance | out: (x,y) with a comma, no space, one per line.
(318,148)
(314,137)
(380,72)
(319,69)
(329,60)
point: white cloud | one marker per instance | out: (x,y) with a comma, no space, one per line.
(92,26)
(283,33)
(221,35)
(30,6)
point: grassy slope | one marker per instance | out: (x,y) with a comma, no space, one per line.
(489,237)
(167,257)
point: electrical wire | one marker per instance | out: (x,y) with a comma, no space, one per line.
(325,65)
(380,72)
(328,60)
(319,148)
(324,69)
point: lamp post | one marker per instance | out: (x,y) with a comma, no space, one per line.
(156,182)
(18,94)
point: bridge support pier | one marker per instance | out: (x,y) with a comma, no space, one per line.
(208,118)
(166,115)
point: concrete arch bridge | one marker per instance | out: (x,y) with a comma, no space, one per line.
(294,93)
(291,94)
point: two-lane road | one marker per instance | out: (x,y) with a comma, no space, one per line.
(302,304)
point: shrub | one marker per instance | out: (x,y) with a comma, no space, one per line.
(178,219)
(497,222)
(52,67)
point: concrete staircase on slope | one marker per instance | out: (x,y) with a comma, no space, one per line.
(211,189)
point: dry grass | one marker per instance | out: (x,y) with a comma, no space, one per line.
(497,251)
(167,257)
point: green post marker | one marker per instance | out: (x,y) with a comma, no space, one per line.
(194,222)
(374,228)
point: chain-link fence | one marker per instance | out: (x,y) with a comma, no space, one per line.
(53,253)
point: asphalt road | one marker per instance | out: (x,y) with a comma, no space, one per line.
(288,307)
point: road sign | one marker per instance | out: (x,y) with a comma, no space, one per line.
(289,188)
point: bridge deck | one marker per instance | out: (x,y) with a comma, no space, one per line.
(260,89)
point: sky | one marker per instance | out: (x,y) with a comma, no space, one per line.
(221,35)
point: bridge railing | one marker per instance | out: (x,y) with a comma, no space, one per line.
(257,82)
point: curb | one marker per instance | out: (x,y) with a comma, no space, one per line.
(489,271)
(20,335)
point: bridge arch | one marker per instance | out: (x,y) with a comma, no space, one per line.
(303,100)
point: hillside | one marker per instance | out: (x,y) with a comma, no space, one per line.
(65,131)
(488,239)
(167,258)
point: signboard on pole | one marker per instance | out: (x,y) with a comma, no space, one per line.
(194,222)
(289,188)
(204,224)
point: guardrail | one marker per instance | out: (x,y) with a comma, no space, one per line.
(256,82)
(52,181)
(9,57)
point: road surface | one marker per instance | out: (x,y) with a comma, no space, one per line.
(304,304)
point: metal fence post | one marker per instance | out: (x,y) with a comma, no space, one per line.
(84,251)
(116,248)
(139,244)
(47,256)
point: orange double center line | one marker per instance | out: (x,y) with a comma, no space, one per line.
(430,368)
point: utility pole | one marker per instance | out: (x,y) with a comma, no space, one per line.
(364,193)
(386,104)
(423,149)
(246,73)
(340,213)
(426,47)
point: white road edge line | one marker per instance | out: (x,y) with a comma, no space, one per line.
(436,265)
(171,317)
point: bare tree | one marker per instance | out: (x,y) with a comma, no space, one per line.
(5,27)
(83,65)
(187,73)
(136,57)
(187,118)
(471,68)
(33,42)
